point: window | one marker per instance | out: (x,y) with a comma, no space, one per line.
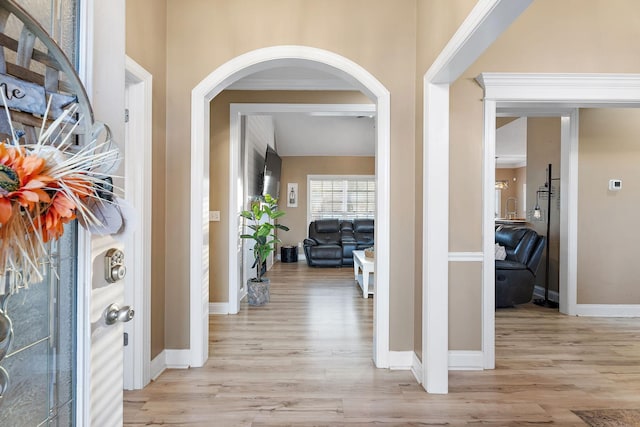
(341,196)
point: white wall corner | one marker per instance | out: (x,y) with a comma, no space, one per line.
(464,360)
(416,368)
(177,359)
(158,365)
(608,310)
(218,308)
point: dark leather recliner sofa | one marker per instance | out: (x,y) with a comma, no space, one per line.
(515,276)
(331,242)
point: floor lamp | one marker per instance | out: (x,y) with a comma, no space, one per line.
(536,214)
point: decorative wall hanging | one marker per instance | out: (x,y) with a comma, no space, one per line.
(292,195)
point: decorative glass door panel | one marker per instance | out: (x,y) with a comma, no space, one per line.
(40,363)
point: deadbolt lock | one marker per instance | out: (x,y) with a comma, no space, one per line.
(114,268)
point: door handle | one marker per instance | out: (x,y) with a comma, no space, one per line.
(114,314)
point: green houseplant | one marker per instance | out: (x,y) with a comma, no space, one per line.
(264,244)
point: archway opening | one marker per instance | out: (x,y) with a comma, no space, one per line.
(220,79)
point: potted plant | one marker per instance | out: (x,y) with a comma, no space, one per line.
(264,243)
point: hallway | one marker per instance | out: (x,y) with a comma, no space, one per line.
(305,360)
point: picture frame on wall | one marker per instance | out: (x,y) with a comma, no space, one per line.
(292,195)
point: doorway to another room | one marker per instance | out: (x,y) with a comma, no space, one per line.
(304,58)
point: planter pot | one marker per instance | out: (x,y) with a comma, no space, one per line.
(258,292)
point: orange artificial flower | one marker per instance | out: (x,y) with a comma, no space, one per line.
(60,211)
(22,180)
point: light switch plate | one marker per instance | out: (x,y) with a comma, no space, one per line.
(214,215)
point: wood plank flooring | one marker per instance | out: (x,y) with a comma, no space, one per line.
(305,360)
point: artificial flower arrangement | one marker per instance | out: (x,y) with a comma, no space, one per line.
(43,186)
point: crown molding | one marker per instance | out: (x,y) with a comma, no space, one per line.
(602,89)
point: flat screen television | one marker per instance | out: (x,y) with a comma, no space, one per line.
(271,173)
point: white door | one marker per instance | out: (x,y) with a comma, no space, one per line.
(102,59)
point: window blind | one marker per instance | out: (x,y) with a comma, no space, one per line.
(342,198)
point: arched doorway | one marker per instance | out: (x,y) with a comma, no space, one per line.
(201,96)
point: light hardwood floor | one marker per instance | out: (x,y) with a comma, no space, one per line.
(305,360)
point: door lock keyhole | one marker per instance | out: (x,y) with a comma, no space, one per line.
(114,268)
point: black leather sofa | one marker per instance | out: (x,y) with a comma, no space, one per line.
(331,242)
(515,275)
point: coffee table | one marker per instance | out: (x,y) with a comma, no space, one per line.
(366,279)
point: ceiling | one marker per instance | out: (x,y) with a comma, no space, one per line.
(318,133)
(511,144)
(301,134)
(292,78)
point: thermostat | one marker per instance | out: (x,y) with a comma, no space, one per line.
(615,184)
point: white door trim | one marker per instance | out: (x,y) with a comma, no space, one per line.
(488,233)
(138,187)
(83,344)
(235,199)
(560,95)
(85,258)
(201,96)
(487,20)
(568,273)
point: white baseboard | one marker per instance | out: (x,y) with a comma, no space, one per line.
(400,360)
(178,359)
(608,310)
(462,360)
(218,308)
(594,310)
(458,361)
(168,359)
(538,292)
(158,365)
(416,368)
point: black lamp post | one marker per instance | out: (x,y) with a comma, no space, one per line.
(536,214)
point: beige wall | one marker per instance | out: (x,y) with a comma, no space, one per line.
(219,168)
(296,169)
(608,267)
(543,147)
(146,29)
(596,35)
(380,36)
(465,331)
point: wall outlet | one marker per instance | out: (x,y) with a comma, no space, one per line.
(214,215)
